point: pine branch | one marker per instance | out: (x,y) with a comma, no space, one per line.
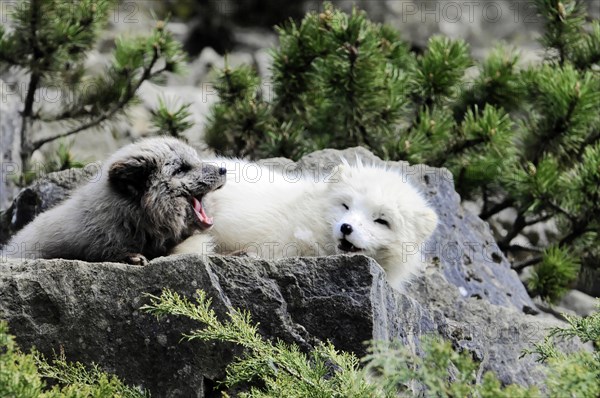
(553,275)
(26,115)
(592,138)
(519,224)
(557,130)
(579,229)
(34,81)
(526,263)
(517,227)
(543,218)
(524,248)
(562,211)
(65,115)
(129,95)
(353,53)
(458,148)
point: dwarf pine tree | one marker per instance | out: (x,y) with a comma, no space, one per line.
(49,40)
(576,374)
(524,138)
(24,376)
(276,369)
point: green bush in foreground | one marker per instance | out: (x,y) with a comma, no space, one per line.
(282,370)
(269,369)
(576,374)
(21,376)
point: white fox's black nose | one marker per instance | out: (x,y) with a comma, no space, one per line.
(346,229)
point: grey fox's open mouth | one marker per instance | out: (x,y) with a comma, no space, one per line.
(346,246)
(203,219)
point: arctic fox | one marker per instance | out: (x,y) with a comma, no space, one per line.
(362,209)
(147,199)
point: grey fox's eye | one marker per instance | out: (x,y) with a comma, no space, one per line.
(182,169)
(345,206)
(382,222)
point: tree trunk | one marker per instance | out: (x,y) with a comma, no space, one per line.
(10,126)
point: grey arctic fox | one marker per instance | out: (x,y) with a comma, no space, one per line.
(148,199)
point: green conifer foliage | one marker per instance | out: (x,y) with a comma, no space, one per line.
(556,267)
(282,369)
(438,73)
(241,122)
(573,374)
(337,82)
(50,39)
(275,369)
(22,376)
(171,119)
(497,84)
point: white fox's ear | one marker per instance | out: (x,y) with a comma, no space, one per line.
(337,173)
(425,223)
(359,162)
(340,172)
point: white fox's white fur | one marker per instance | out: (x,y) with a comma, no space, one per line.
(271,215)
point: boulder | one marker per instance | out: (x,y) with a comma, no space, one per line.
(43,194)
(92,311)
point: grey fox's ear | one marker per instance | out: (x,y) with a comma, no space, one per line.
(129,176)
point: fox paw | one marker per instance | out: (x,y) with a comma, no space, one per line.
(136,259)
(243,253)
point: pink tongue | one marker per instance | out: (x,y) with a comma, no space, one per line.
(205,220)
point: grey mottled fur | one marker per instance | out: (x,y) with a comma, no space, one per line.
(138,209)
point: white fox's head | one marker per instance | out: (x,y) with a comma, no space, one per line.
(377,212)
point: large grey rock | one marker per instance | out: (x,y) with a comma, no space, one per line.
(41,195)
(92,311)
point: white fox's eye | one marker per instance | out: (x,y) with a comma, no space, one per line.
(345,206)
(382,222)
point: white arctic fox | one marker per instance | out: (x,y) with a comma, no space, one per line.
(360,209)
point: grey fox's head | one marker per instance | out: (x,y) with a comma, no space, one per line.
(166,177)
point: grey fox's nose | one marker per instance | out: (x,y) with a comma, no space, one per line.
(346,229)
(222,171)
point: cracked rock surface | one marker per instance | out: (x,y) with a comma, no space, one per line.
(92,311)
